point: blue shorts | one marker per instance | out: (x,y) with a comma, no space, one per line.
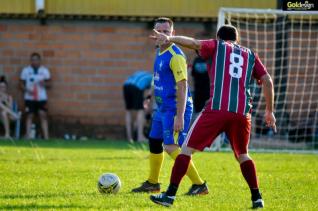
(162,127)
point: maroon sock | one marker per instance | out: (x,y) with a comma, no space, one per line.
(249,173)
(179,169)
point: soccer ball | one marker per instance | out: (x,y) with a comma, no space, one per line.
(108,183)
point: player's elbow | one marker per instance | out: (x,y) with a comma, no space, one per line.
(196,45)
(182,84)
(267,81)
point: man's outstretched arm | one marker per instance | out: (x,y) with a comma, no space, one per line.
(184,41)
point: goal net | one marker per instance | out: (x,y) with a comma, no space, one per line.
(287,43)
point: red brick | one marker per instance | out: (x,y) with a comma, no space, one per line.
(22,27)
(82,80)
(21,36)
(15,61)
(82,96)
(3,27)
(68,54)
(49,37)
(68,79)
(68,29)
(7,53)
(107,29)
(98,80)
(48,53)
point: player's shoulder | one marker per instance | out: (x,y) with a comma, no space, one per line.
(176,50)
(246,50)
(27,70)
(210,41)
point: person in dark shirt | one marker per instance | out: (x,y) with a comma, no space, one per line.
(201,83)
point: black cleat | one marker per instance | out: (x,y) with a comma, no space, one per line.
(147,187)
(163,199)
(198,190)
(259,203)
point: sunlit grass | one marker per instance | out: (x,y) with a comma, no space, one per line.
(59,175)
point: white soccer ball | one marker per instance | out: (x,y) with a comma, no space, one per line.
(108,183)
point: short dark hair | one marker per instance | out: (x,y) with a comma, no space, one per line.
(163,20)
(228,32)
(35,54)
(3,80)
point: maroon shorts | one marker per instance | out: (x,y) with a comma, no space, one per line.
(209,124)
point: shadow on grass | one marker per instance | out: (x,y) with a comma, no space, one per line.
(42,195)
(74,144)
(35,207)
(68,159)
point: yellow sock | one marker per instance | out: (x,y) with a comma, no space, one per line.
(155,162)
(192,172)
(175,154)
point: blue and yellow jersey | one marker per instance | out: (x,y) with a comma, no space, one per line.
(170,67)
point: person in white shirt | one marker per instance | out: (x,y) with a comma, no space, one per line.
(35,79)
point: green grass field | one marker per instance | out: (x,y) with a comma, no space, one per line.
(60,174)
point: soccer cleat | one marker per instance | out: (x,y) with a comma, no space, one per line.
(198,190)
(163,199)
(259,203)
(147,187)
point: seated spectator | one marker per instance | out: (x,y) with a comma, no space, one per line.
(134,89)
(6,105)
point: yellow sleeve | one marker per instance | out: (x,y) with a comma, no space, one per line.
(178,66)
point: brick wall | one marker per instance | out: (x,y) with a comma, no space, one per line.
(89,61)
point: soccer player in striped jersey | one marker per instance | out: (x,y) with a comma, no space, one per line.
(231,68)
(171,120)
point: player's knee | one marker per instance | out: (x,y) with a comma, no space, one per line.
(155,145)
(187,150)
(243,157)
(170,148)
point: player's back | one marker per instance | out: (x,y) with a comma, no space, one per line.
(230,71)
(140,79)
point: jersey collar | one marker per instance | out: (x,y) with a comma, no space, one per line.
(165,50)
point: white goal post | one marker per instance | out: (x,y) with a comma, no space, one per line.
(287,43)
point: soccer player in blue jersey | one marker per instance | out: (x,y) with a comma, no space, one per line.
(171,120)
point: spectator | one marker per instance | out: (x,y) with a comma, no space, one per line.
(6,107)
(201,83)
(35,79)
(134,89)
